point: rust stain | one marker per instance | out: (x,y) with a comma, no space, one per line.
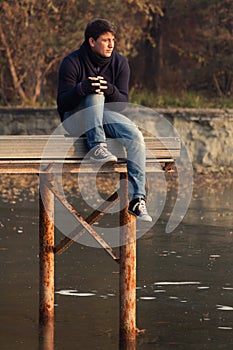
(127,275)
(46,254)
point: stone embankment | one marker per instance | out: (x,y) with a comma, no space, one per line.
(206,133)
(208,136)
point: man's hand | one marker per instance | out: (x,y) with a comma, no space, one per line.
(91,86)
(105,87)
(96,85)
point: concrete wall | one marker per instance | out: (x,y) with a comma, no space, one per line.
(206,133)
(19,121)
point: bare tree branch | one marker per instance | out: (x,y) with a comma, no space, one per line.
(15,79)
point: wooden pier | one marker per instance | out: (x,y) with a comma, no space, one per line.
(44,155)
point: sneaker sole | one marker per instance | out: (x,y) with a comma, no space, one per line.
(139,218)
(107,160)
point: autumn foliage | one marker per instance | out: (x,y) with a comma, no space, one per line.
(172,45)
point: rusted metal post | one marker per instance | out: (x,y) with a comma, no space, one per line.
(46,336)
(127,271)
(46,254)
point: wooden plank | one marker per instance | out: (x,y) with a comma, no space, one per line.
(31,141)
(33,147)
(30,155)
(24,154)
(71,166)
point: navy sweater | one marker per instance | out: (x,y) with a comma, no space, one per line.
(78,66)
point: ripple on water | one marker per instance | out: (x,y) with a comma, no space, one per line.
(177,283)
(226,328)
(74,292)
(224,308)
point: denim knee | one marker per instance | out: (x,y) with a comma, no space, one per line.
(136,135)
(93,99)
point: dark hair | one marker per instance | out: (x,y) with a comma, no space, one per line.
(98,27)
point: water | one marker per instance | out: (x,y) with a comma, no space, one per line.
(184,281)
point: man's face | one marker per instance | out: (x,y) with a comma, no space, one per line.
(104,45)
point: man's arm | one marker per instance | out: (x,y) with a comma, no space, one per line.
(119,90)
(69,92)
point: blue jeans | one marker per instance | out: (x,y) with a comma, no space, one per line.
(98,122)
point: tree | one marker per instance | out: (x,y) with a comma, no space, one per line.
(171,44)
(32,41)
(217,51)
(203,40)
(148,48)
(35,35)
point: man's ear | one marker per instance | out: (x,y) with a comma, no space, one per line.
(91,42)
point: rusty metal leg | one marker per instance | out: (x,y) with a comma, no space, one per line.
(46,254)
(127,271)
(46,336)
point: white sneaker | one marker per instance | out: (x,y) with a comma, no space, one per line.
(101,154)
(137,207)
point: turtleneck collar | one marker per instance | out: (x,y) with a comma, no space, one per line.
(97,61)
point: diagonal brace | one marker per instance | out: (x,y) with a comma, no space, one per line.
(81,220)
(91,219)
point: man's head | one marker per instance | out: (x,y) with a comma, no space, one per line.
(100,35)
(98,27)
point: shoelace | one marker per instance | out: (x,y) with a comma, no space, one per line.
(102,151)
(142,206)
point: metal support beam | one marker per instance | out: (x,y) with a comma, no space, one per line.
(46,254)
(91,219)
(81,220)
(128,328)
(46,336)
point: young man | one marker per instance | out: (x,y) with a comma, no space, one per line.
(89,78)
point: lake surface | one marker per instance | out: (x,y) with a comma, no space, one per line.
(184,280)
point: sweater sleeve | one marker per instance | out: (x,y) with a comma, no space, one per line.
(69,92)
(119,89)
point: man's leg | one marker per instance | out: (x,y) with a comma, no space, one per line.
(93,113)
(96,139)
(88,119)
(119,127)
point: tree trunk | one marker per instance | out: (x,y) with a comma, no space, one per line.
(217,86)
(153,53)
(15,79)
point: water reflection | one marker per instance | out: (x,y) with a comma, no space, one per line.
(46,336)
